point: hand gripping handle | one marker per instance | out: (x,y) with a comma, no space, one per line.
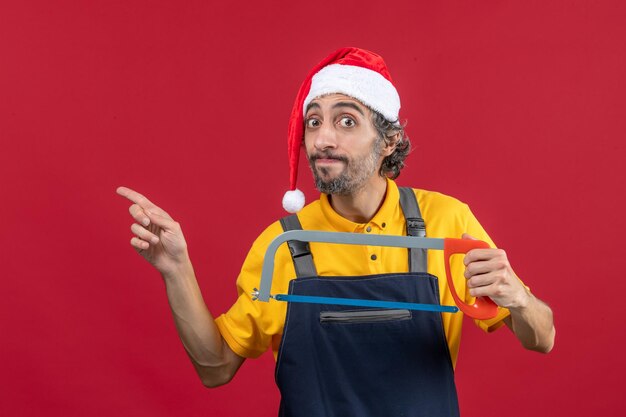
(483,308)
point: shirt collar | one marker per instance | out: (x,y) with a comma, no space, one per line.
(383,216)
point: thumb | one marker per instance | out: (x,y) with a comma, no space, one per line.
(468,236)
(161,221)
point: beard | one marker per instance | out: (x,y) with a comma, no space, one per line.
(357,171)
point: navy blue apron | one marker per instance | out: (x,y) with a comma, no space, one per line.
(341,361)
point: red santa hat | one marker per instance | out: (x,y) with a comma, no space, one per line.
(354,72)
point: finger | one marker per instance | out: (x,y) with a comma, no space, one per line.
(159,211)
(480,267)
(476,255)
(144,234)
(165,223)
(139,214)
(481,280)
(485,291)
(135,197)
(493,291)
(139,244)
(143,205)
(468,236)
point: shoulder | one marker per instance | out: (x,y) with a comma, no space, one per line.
(447,216)
(309,215)
(444,215)
(436,203)
(263,240)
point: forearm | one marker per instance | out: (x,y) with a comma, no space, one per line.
(211,357)
(159,239)
(533,325)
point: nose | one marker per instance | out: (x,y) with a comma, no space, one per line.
(325,137)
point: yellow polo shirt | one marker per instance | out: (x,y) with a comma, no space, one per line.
(250,327)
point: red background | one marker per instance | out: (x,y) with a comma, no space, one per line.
(516,108)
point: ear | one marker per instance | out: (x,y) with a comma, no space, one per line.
(390,144)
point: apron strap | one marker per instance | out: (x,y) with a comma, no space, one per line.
(300,251)
(415,226)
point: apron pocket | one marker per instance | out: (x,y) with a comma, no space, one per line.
(364,316)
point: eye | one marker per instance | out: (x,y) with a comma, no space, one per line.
(312,123)
(347,122)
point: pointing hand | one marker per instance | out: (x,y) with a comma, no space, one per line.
(158,238)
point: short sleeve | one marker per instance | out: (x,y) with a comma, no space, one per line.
(249,326)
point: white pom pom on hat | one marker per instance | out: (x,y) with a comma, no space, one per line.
(293,201)
(355,72)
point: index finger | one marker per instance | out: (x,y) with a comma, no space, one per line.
(476,255)
(135,197)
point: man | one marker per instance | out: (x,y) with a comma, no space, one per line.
(338,361)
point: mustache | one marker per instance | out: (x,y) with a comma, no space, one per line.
(327,155)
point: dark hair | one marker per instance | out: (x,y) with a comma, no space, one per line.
(392,164)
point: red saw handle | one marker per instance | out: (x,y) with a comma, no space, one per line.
(484,308)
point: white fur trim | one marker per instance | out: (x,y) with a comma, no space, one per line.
(293,201)
(365,85)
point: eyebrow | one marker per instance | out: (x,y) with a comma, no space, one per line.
(310,106)
(348,104)
(336,105)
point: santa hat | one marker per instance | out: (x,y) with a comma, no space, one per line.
(354,72)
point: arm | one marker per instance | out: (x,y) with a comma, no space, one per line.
(489,274)
(159,239)
(533,325)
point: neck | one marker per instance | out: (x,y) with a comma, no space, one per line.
(361,206)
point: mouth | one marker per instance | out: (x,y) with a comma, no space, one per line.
(321,160)
(327,161)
